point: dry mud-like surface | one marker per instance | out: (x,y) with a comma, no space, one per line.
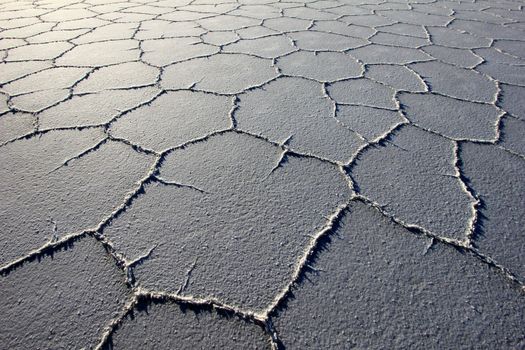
(262,174)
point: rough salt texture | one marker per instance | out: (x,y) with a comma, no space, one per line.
(198,157)
(412,175)
(171,326)
(63,300)
(58,193)
(241,236)
(496,175)
(373,272)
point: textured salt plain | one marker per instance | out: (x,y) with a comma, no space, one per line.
(262,174)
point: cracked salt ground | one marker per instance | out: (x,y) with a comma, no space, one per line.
(53,186)
(162,324)
(158,126)
(412,175)
(495,176)
(262,174)
(303,122)
(366,276)
(261,224)
(44,307)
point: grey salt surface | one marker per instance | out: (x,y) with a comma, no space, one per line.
(157,126)
(379,286)
(322,66)
(197,160)
(451,117)
(224,74)
(457,82)
(233,218)
(275,113)
(15,124)
(511,100)
(412,177)
(512,135)
(94,109)
(43,199)
(171,326)
(497,178)
(369,122)
(115,77)
(63,300)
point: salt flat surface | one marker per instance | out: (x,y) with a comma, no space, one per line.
(319,174)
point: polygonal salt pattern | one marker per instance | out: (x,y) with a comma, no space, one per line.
(262,174)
